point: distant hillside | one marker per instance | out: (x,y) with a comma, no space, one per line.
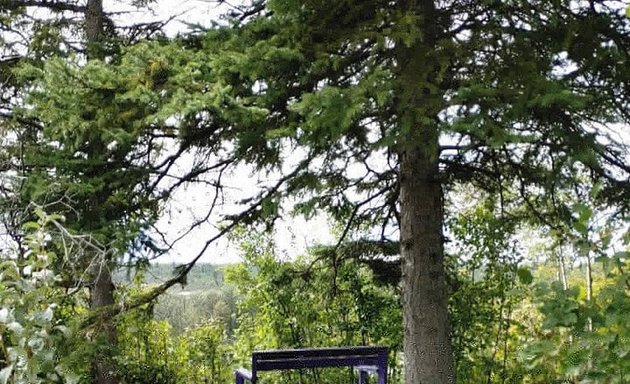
(205,297)
(203,277)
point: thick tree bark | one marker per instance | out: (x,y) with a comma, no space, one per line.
(102,295)
(427,344)
(427,339)
(94,19)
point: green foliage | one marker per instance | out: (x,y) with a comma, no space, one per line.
(145,351)
(94,118)
(584,333)
(564,347)
(204,354)
(311,302)
(204,277)
(487,279)
(515,321)
(189,309)
(149,352)
(33,330)
(511,323)
(205,296)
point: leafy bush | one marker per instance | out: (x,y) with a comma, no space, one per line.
(32,331)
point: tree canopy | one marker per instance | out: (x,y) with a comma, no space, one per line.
(375,112)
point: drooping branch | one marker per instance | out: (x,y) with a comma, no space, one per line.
(53,5)
(244,217)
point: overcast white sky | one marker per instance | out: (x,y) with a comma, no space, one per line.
(190,204)
(202,12)
(293,235)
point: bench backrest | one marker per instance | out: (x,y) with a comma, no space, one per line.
(318,357)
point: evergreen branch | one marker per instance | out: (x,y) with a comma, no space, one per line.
(53,5)
(107,312)
(197,223)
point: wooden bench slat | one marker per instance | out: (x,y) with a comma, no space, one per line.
(336,351)
(313,362)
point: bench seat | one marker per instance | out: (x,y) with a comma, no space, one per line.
(364,359)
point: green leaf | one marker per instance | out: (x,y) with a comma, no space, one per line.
(30,225)
(279,133)
(596,189)
(581,228)
(524,276)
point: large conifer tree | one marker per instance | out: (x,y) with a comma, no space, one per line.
(71,147)
(385,105)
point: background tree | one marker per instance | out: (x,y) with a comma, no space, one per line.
(71,147)
(104,154)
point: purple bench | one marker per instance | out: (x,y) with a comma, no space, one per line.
(364,359)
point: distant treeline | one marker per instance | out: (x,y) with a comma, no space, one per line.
(205,296)
(203,277)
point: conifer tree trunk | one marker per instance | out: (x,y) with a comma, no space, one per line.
(101,295)
(102,290)
(94,18)
(427,339)
(427,344)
